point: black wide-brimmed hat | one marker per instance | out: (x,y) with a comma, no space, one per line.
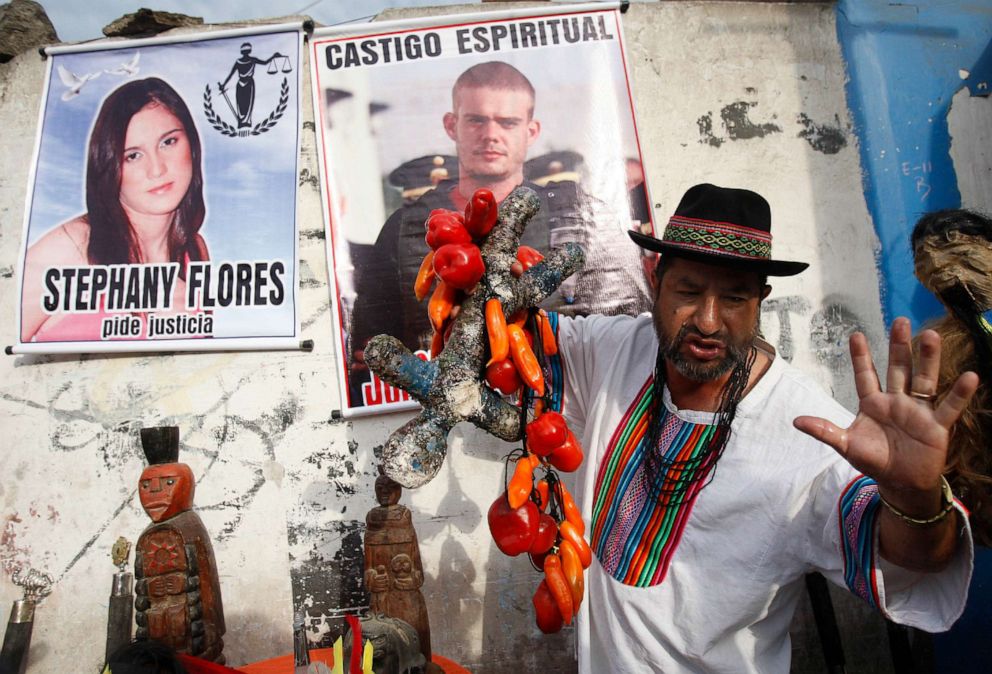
(722,225)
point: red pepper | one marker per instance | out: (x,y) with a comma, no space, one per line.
(546,610)
(459,264)
(537,559)
(444,228)
(480,213)
(513,530)
(446,211)
(502,376)
(547,534)
(568,456)
(528,256)
(546,433)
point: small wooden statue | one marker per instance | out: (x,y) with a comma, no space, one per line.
(178,600)
(393,571)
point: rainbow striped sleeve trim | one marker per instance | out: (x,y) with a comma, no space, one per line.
(635,531)
(858,510)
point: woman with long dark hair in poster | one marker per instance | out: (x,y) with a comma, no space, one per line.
(144,204)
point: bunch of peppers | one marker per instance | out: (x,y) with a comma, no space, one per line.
(540,518)
(536,516)
(454,259)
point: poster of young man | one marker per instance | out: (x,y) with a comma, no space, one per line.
(161,212)
(416,115)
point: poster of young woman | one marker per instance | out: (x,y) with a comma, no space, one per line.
(416,115)
(161,211)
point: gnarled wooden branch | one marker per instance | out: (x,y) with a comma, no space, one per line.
(451,387)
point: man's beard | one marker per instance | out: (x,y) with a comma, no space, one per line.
(736,353)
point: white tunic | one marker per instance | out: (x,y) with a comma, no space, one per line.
(771,514)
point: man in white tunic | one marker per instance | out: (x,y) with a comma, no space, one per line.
(711,491)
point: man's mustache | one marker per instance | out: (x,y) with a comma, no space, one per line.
(482,150)
(687,330)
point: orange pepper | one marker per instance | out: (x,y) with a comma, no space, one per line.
(538,407)
(425,277)
(571,566)
(499,345)
(559,587)
(544,491)
(569,532)
(571,510)
(549,342)
(437,343)
(525,360)
(521,484)
(441,304)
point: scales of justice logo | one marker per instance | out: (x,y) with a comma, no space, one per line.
(242,106)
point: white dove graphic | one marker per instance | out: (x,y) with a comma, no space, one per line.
(74,82)
(126,69)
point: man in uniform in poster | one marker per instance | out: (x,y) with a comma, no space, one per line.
(492,124)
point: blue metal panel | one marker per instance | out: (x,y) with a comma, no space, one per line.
(905,64)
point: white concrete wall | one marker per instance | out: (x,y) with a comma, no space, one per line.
(747,95)
(969,122)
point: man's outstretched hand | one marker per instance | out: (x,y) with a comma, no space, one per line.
(899,439)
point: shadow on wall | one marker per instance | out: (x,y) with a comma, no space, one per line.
(453,588)
(462,609)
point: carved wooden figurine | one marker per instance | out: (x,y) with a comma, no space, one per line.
(393,571)
(178,598)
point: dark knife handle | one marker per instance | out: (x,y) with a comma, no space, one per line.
(119,620)
(16,641)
